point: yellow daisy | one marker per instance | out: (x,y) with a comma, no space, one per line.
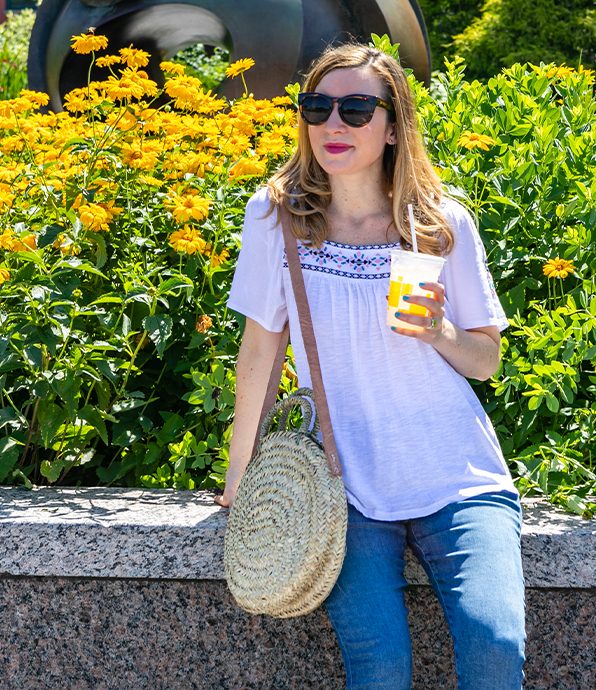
(134,57)
(4,275)
(472,140)
(188,240)
(238,67)
(88,43)
(558,268)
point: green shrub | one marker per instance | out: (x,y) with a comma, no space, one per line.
(14,46)
(519,151)
(444,19)
(512,31)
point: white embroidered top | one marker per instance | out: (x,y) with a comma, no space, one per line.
(411,433)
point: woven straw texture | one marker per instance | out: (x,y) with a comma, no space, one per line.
(285,540)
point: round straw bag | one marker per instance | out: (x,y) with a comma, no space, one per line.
(285,540)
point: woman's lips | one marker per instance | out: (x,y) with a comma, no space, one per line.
(336,148)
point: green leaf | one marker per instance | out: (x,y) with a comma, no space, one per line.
(48,234)
(51,470)
(551,402)
(50,417)
(159,329)
(9,455)
(101,254)
(172,284)
(91,415)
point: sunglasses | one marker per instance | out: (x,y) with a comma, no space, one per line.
(356,110)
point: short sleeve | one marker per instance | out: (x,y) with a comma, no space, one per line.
(470,294)
(257,287)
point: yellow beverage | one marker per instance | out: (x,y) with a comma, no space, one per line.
(397,289)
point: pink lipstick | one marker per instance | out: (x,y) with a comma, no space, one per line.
(336,148)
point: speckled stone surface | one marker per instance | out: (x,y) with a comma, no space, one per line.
(74,634)
(131,533)
(117,589)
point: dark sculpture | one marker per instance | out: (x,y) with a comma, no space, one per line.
(282,36)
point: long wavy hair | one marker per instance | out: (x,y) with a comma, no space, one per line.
(302,186)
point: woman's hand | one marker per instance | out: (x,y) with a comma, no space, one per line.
(227,499)
(432,325)
(473,352)
(229,495)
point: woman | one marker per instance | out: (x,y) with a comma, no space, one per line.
(421,463)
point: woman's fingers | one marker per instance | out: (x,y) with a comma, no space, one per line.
(224,501)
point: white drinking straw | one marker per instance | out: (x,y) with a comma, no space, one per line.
(412,228)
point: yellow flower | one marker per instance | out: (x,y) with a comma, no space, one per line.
(107,61)
(188,240)
(246,167)
(271,144)
(171,68)
(134,57)
(151,181)
(189,207)
(472,140)
(559,72)
(28,243)
(239,67)
(88,43)
(4,275)
(185,91)
(132,84)
(558,268)
(97,217)
(204,323)
(218,259)
(7,240)
(37,98)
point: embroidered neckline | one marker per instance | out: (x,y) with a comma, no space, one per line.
(349,260)
(388,245)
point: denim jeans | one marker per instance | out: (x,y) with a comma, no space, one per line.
(470,551)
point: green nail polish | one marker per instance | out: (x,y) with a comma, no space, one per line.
(397,314)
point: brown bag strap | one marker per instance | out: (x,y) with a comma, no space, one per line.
(310,346)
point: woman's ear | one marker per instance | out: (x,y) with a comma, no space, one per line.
(391,135)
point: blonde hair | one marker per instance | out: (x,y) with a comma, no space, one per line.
(303,188)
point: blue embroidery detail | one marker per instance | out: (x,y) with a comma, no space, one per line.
(368,261)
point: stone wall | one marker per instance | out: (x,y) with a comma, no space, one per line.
(121,589)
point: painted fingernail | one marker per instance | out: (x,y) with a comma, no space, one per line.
(422,284)
(407,298)
(397,314)
(393,328)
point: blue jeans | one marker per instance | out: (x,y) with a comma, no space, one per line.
(471,553)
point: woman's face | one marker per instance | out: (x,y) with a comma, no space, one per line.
(342,150)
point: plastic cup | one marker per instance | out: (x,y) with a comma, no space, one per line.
(408,270)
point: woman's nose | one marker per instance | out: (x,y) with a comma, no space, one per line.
(334,121)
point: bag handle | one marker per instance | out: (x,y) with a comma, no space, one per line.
(312,355)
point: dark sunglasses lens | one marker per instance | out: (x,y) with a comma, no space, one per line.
(316,109)
(357,111)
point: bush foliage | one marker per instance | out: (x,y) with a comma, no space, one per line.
(519,151)
(121,221)
(14,45)
(512,31)
(492,34)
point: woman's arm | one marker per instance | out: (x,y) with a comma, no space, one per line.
(253,369)
(474,353)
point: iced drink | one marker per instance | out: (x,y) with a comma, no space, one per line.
(408,270)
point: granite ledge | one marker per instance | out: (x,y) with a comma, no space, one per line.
(166,534)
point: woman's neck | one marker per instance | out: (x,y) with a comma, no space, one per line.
(360,212)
